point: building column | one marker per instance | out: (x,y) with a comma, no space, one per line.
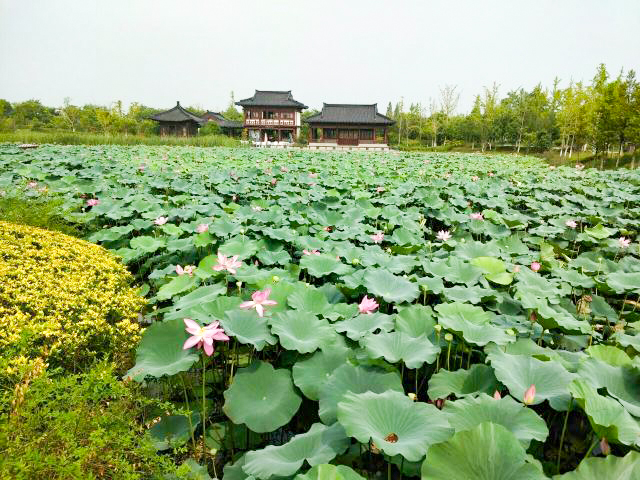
(386,140)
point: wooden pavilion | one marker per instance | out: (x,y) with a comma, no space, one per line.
(341,126)
(228,127)
(178,122)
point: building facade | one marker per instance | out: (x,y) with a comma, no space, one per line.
(349,126)
(178,122)
(272,117)
(228,127)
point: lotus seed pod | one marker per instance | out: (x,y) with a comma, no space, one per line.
(275,278)
(437,328)
(412,396)
(355,261)
(448,337)
(511,332)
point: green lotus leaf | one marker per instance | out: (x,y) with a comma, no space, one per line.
(202,240)
(310,375)
(621,282)
(607,417)
(309,299)
(609,354)
(599,231)
(360,325)
(302,331)
(234,471)
(160,351)
(329,472)
(176,285)
(396,424)
(463,294)
(392,288)
(621,382)
(474,323)
(239,245)
(147,244)
(195,470)
(469,412)
(487,452)
(356,379)
(609,467)
(477,379)
(415,321)
(173,431)
(493,269)
(398,346)
(200,295)
(317,446)
(554,316)
(625,340)
(261,397)
(323,264)
(519,372)
(247,328)
(279,257)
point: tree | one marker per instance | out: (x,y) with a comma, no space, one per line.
(70,114)
(232,113)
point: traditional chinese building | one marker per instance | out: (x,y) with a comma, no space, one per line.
(228,127)
(178,122)
(342,126)
(272,116)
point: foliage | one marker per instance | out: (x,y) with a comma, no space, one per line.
(89,425)
(37,210)
(537,289)
(62,300)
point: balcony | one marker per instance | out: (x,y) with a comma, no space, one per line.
(269,122)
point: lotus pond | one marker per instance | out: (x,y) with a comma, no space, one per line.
(443,316)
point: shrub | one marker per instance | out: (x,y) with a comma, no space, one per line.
(38,211)
(83,426)
(63,300)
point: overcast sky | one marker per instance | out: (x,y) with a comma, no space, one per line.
(335,51)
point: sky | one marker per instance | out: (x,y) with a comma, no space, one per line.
(336,51)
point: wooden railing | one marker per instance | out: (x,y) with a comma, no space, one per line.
(269,122)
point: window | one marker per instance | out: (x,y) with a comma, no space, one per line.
(329,132)
(366,134)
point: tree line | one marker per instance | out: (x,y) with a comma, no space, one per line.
(113,120)
(602,116)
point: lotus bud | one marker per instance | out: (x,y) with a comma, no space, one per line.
(448,337)
(242,231)
(529,395)
(497,395)
(437,328)
(239,284)
(604,446)
(275,278)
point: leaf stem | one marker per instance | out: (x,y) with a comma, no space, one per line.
(564,430)
(204,418)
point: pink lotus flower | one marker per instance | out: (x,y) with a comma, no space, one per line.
(259,299)
(203,336)
(491,174)
(274,181)
(579,166)
(313,175)
(284,169)
(552,167)
(367,305)
(497,395)
(571,224)
(443,235)
(92,202)
(447,175)
(426,161)
(32,184)
(256,208)
(529,395)
(188,269)
(535,266)
(476,216)
(378,237)
(160,220)
(227,263)
(203,227)
(315,251)
(380,189)
(475,178)
(624,242)
(326,229)
(142,167)
(516,269)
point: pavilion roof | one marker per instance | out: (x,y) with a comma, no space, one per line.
(271,98)
(348,113)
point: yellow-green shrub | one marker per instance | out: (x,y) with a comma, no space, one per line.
(64,300)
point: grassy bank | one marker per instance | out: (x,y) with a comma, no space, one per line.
(82,138)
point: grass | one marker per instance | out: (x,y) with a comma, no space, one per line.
(44,212)
(83,138)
